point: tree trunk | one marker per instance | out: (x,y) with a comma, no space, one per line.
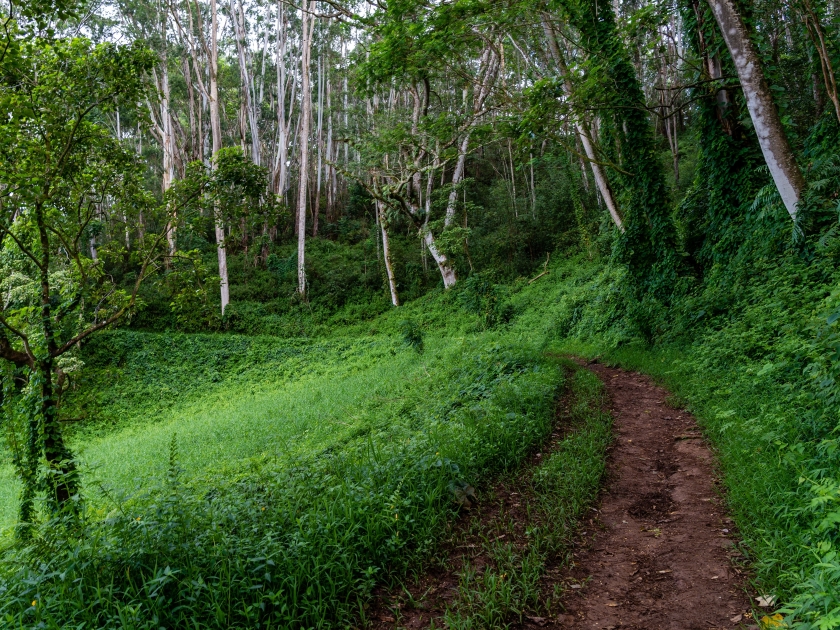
(319,143)
(582,127)
(386,250)
(307,25)
(443,263)
(216,132)
(284,121)
(62,469)
(195,128)
(168,140)
(457,176)
(768,126)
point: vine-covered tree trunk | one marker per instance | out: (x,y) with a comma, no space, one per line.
(61,468)
(649,240)
(766,121)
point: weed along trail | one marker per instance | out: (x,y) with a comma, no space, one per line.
(661,552)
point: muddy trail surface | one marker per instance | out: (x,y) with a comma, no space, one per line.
(663,554)
(658,551)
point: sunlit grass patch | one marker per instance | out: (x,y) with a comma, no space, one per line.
(290,488)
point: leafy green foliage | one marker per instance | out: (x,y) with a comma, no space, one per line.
(301,534)
(648,242)
(412,335)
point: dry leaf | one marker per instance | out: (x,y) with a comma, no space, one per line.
(540,621)
(737,618)
(776,621)
(575,586)
(612,604)
(765,601)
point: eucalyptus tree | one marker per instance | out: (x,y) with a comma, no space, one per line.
(62,169)
(200,38)
(414,50)
(307,27)
(765,117)
(286,98)
(582,124)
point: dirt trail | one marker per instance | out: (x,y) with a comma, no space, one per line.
(660,556)
(658,553)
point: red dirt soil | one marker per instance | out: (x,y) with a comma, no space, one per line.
(662,558)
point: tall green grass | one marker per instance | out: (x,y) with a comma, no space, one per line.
(561,489)
(273,484)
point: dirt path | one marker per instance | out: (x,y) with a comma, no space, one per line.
(660,554)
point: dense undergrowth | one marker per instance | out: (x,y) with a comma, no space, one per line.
(755,358)
(292,531)
(242,542)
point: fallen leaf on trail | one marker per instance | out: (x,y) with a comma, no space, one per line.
(765,601)
(665,571)
(776,621)
(612,604)
(575,586)
(736,618)
(540,621)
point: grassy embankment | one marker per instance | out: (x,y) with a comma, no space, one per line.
(752,360)
(245,482)
(754,355)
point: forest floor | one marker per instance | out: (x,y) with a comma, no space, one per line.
(658,553)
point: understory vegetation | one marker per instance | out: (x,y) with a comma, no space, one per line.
(759,376)
(281,284)
(350,479)
(557,492)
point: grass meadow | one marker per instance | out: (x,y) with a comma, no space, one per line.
(236,481)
